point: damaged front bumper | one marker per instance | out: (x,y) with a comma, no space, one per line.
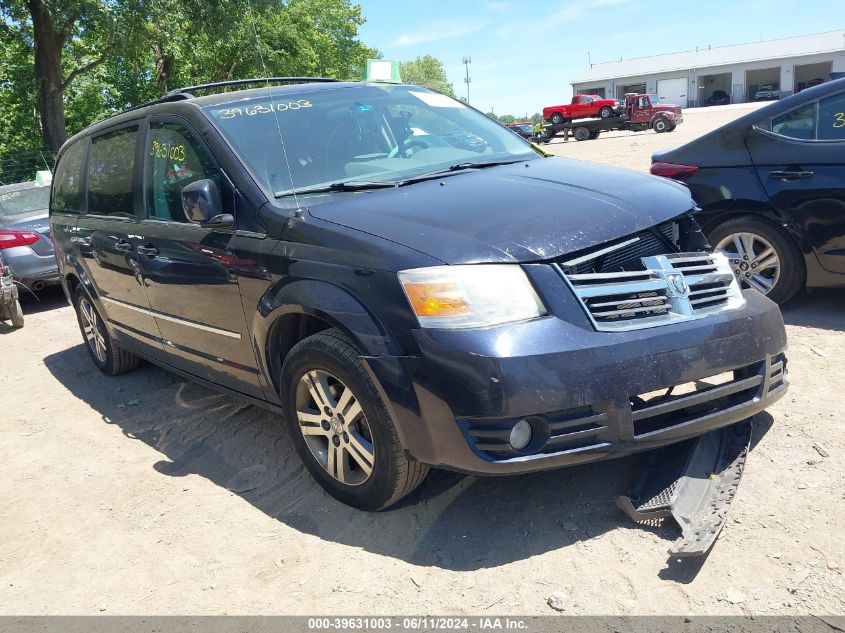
(587,395)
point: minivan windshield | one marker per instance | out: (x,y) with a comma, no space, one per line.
(363,133)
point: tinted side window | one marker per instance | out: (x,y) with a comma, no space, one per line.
(799,123)
(832,118)
(174,159)
(67,183)
(111,164)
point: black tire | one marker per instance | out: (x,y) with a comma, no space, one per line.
(394,474)
(594,135)
(581,134)
(606,112)
(660,125)
(792,270)
(558,118)
(17,314)
(115,359)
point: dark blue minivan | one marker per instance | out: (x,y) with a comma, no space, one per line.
(406,282)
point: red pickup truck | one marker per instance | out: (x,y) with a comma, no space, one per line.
(583,107)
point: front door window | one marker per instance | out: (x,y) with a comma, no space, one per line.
(174,159)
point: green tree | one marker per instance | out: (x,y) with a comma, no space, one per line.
(426,71)
(73,61)
(68,38)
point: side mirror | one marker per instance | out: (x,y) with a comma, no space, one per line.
(201,201)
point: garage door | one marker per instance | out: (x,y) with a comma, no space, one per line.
(673,91)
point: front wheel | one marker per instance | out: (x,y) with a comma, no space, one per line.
(606,112)
(761,255)
(557,118)
(340,426)
(660,125)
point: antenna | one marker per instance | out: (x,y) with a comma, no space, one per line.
(273,105)
(466,62)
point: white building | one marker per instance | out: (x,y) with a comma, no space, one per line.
(689,78)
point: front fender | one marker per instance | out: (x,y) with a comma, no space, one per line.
(325,301)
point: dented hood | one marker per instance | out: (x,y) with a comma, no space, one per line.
(528,211)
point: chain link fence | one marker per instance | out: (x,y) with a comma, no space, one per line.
(22,165)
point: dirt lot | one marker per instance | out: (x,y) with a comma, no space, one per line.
(146,494)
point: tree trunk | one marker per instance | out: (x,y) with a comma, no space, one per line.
(164,67)
(48,73)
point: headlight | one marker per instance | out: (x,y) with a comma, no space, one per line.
(470,296)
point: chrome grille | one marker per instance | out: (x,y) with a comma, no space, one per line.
(670,288)
(709,286)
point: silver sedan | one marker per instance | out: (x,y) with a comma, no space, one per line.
(25,234)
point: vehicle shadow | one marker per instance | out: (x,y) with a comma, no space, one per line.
(49,298)
(452,521)
(819,307)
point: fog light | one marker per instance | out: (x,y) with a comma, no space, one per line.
(520,435)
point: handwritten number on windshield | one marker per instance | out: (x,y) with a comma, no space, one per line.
(231,113)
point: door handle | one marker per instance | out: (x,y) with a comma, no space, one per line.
(149,251)
(123,246)
(791,175)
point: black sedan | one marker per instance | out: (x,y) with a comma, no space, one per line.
(525,130)
(719,97)
(771,187)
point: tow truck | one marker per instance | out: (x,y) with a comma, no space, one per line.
(640,112)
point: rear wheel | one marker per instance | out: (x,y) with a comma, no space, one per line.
(340,426)
(594,135)
(108,356)
(581,134)
(606,112)
(660,125)
(762,256)
(558,118)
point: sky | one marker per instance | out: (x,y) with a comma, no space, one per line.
(525,54)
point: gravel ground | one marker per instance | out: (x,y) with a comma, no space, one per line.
(146,494)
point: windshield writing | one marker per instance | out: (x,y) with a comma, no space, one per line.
(360,133)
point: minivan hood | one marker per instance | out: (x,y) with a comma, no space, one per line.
(528,211)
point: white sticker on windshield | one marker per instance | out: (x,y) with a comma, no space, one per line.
(436,100)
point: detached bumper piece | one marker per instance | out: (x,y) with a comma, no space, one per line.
(693,483)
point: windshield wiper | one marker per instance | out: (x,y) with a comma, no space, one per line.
(360,185)
(482,164)
(352,185)
(457,167)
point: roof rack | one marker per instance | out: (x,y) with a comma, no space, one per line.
(174,96)
(241,82)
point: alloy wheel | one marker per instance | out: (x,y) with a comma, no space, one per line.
(753,259)
(334,427)
(93,331)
